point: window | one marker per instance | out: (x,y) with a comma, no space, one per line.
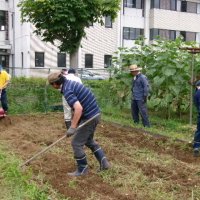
(39,59)
(154,33)
(155,3)
(172,35)
(2,20)
(130,3)
(164,4)
(183,6)
(107,61)
(108,22)
(61,58)
(187,6)
(183,33)
(134,3)
(88,61)
(188,36)
(163,33)
(132,33)
(173,4)
(191,7)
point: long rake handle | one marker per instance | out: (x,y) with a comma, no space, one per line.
(57,141)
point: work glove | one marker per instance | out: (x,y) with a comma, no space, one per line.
(71,131)
(145,99)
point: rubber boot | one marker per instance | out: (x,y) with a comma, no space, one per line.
(67,124)
(82,167)
(100,156)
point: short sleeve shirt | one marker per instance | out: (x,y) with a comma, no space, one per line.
(4,77)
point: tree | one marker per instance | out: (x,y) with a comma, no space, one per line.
(65,20)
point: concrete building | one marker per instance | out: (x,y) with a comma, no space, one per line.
(24,54)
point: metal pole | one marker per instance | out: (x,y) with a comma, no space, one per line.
(191,89)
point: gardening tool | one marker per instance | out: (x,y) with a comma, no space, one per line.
(53,144)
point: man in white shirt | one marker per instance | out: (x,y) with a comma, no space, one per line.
(70,75)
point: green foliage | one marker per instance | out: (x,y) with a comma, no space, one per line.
(65,21)
(20,185)
(167,68)
(31,95)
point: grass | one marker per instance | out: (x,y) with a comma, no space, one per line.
(19,185)
(173,128)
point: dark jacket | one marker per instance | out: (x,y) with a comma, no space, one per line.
(140,87)
(197,100)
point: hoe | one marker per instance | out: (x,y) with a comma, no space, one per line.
(57,141)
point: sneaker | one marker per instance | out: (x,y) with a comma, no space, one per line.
(196,152)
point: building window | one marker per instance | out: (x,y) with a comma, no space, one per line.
(163,33)
(88,61)
(155,3)
(132,33)
(187,6)
(108,22)
(173,4)
(154,33)
(183,6)
(172,35)
(164,4)
(2,20)
(107,61)
(61,59)
(134,3)
(188,36)
(39,59)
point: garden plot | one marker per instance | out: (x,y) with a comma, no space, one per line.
(143,166)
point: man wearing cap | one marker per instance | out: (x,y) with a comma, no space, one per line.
(196,145)
(4,80)
(140,91)
(84,104)
(70,75)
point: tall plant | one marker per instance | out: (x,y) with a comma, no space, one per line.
(166,66)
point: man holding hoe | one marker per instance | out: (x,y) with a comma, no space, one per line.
(84,104)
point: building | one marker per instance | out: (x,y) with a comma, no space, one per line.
(24,54)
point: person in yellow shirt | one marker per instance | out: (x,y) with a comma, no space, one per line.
(4,80)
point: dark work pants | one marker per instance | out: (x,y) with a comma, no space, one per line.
(139,107)
(84,136)
(197,134)
(4,102)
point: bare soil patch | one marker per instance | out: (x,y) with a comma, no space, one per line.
(27,135)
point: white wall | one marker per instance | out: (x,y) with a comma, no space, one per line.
(99,41)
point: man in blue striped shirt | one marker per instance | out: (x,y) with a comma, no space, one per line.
(84,104)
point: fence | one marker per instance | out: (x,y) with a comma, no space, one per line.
(43,72)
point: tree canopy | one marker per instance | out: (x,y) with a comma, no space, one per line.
(65,20)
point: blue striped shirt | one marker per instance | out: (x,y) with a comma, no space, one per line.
(74,91)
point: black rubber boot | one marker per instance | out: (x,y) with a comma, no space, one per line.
(82,167)
(100,156)
(68,124)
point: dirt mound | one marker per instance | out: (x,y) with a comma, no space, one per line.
(143,166)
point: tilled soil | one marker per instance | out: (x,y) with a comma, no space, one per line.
(27,135)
